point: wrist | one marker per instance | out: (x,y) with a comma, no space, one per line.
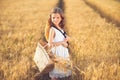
(62,43)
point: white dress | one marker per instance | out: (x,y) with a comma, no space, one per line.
(59,51)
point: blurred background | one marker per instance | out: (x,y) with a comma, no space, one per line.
(93,25)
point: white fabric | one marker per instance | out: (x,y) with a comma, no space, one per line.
(59,51)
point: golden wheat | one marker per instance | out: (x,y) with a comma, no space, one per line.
(22,25)
(108,8)
(94,42)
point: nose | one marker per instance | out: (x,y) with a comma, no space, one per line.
(55,19)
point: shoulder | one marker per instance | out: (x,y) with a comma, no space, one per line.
(52,30)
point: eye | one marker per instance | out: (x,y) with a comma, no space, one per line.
(57,17)
(53,17)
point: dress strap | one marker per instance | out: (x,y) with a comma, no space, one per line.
(64,33)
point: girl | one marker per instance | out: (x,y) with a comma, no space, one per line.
(57,39)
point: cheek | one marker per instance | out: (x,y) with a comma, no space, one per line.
(60,20)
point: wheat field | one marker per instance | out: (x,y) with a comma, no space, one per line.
(94,42)
(22,24)
(107,9)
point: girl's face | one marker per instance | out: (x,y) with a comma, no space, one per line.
(56,18)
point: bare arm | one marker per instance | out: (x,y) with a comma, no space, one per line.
(66,41)
(67,38)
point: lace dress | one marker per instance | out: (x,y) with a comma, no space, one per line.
(59,51)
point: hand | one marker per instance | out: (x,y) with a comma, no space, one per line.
(66,39)
(65,44)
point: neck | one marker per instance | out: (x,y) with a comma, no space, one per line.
(58,27)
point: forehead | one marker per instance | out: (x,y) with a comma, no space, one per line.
(55,15)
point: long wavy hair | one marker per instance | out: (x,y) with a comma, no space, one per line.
(49,23)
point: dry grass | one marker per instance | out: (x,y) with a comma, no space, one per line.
(94,42)
(22,24)
(107,8)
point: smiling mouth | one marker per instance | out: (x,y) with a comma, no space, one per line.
(55,22)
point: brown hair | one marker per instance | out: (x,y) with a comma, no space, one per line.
(50,24)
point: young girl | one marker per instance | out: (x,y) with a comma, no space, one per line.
(57,39)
